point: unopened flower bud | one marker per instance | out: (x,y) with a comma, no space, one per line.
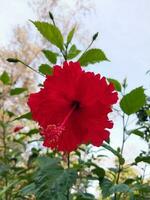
(14,60)
(95,36)
(51,16)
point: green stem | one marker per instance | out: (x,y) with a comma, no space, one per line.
(93,39)
(124,124)
(68,161)
(89,46)
(120,168)
(53,22)
(124,133)
(31,68)
(65,52)
(68,165)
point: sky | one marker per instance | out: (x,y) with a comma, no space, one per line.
(124,35)
(12,13)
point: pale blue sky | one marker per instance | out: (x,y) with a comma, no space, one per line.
(124,27)
(12,13)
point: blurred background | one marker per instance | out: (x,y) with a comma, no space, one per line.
(124,35)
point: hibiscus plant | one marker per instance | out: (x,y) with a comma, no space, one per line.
(55,151)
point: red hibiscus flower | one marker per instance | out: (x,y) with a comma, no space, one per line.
(72,108)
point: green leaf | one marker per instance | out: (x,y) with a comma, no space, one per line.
(122,188)
(143,188)
(105,185)
(24,116)
(51,180)
(142,159)
(7,188)
(116,84)
(17,91)
(121,159)
(100,172)
(50,32)
(5,78)
(70,35)
(51,56)
(108,188)
(148,112)
(44,162)
(33,131)
(73,52)
(85,196)
(129,181)
(29,189)
(92,56)
(4,169)
(45,69)
(133,101)
(137,132)
(10,114)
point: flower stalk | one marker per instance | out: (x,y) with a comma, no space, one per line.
(15,60)
(120,167)
(68,165)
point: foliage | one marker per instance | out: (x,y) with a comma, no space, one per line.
(92,56)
